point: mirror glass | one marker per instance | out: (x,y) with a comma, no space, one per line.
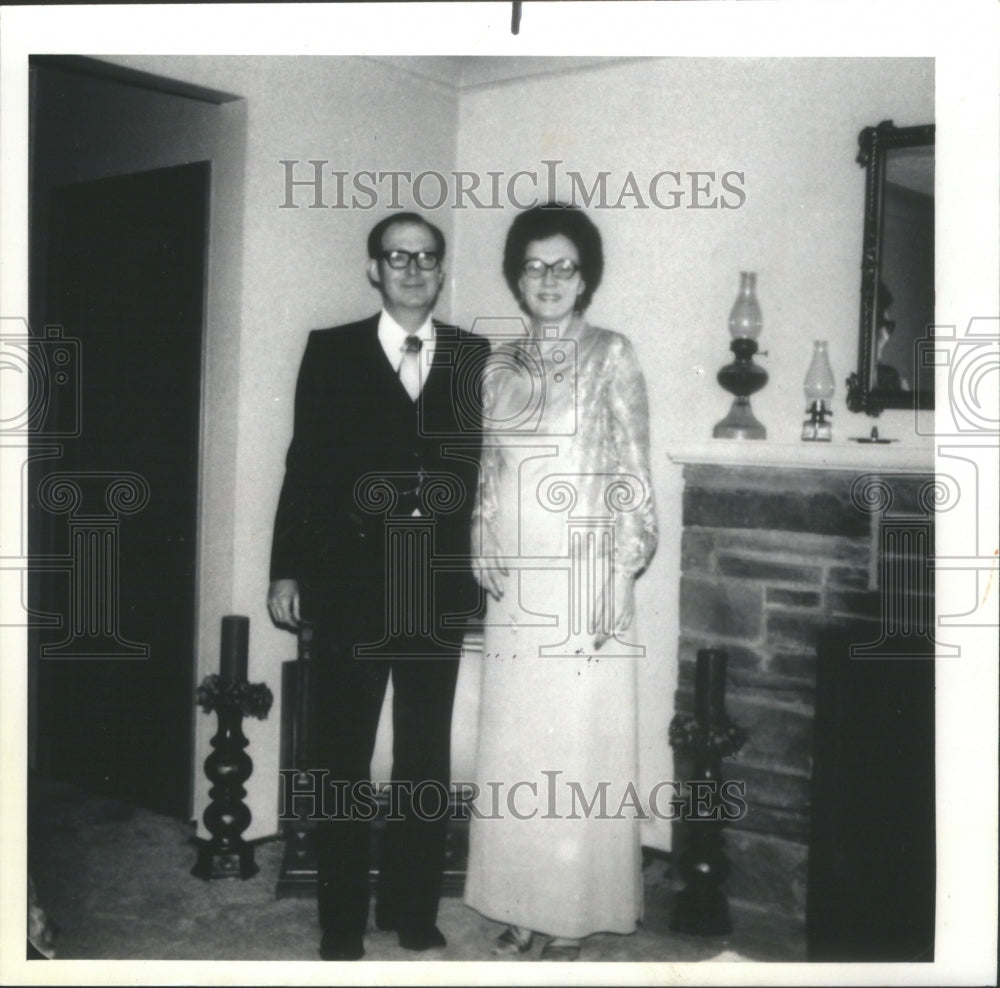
(897,278)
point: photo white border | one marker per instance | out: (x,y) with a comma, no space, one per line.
(962,37)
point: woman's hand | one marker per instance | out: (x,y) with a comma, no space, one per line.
(492,576)
(614,607)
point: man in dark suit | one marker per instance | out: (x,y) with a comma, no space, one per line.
(372,545)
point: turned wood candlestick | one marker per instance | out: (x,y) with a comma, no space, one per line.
(701,906)
(227,855)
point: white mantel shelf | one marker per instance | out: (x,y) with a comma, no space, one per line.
(870,457)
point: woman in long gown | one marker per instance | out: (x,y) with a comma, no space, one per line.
(565,520)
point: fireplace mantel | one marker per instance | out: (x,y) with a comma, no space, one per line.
(867,457)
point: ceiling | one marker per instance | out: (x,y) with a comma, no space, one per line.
(472,71)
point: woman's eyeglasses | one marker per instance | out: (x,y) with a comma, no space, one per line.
(563,269)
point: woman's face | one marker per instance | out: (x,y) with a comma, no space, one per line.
(550,299)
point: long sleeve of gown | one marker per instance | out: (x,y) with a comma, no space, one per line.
(636,530)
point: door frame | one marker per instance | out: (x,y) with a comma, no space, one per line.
(214,130)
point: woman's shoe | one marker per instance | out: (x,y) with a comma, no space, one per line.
(513,941)
(561,949)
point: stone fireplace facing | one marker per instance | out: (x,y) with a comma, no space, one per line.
(783,547)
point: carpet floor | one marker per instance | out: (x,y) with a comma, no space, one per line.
(115,882)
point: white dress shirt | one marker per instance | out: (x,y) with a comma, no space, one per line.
(392,337)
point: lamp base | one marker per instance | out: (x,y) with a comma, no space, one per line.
(739,423)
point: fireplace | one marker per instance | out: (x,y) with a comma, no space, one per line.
(780,554)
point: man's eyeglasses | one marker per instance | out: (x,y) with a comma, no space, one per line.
(427,260)
(563,269)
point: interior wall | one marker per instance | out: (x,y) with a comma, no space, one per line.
(303,269)
(789,127)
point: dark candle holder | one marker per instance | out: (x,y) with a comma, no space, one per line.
(701,906)
(227,855)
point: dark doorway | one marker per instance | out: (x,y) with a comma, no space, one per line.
(125,272)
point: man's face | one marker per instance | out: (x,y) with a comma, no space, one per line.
(409,289)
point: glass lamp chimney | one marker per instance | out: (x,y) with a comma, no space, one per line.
(745,319)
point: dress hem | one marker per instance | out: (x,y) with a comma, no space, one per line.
(552,929)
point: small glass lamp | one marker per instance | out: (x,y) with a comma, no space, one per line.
(743,377)
(818,387)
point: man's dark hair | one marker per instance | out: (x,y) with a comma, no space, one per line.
(542,222)
(378,232)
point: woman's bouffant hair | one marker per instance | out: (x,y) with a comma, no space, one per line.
(542,222)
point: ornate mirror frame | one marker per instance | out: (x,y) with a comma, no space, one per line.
(865,393)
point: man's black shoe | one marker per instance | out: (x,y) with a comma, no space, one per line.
(425,938)
(336,947)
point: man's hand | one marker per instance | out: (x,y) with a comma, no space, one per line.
(283,603)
